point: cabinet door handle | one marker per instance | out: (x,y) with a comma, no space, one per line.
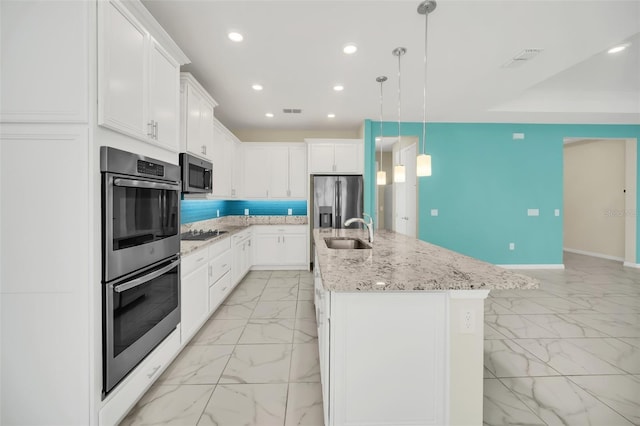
(150,129)
(204,149)
(283,239)
(155,130)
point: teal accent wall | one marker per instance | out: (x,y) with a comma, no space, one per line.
(483,182)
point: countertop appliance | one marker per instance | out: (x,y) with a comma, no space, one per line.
(336,199)
(140,258)
(201,234)
(197,174)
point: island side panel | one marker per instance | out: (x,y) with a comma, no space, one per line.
(466,355)
(388,358)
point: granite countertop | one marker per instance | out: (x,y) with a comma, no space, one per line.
(232,225)
(404,263)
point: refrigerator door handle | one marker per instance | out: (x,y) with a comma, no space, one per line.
(338,204)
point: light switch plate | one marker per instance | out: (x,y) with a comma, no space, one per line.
(289,212)
(518,136)
(556,212)
(512,246)
(217,213)
(246,212)
(434,212)
(533,212)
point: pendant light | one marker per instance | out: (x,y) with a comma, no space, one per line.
(381,177)
(423,161)
(399,171)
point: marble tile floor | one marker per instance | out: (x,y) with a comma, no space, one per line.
(255,362)
(568,353)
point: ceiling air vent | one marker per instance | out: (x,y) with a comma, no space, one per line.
(292,110)
(522,57)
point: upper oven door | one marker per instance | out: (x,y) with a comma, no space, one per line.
(141,223)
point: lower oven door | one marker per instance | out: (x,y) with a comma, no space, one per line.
(139,312)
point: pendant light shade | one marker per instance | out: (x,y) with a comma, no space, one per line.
(399,171)
(423,161)
(381,176)
(423,165)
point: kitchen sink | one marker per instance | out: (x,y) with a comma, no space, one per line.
(345,243)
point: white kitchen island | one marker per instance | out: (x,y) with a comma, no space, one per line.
(400,330)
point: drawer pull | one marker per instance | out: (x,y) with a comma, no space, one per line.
(225,265)
(155,370)
(200,260)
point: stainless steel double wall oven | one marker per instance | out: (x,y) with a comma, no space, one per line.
(140,258)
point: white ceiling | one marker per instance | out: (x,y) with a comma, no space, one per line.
(294,49)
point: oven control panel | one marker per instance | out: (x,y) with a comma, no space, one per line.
(150,168)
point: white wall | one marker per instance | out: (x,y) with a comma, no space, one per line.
(268,135)
(594,202)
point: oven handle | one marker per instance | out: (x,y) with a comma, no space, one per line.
(144,184)
(139,281)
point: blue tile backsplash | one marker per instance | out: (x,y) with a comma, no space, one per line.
(197,210)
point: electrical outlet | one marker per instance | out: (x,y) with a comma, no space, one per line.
(246,212)
(434,212)
(289,212)
(512,246)
(467,321)
(556,212)
(217,213)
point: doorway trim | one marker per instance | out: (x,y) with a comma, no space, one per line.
(630,200)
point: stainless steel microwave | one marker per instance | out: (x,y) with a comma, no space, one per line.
(197,174)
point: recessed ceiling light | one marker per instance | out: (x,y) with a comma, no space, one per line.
(338,88)
(350,49)
(269,115)
(257,87)
(331,116)
(617,49)
(237,37)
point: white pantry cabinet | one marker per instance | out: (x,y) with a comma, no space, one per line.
(196,118)
(275,170)
(138,79)
(280,247)
(333,156)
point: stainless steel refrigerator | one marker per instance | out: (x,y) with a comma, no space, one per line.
(336,199)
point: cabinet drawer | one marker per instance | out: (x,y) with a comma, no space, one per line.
(281,229)
(219,291)
(193,261)
(219,247)
(134,385)
(220,266)
(241,235)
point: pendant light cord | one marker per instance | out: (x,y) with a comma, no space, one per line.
(424,89)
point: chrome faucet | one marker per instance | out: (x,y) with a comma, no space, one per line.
(368,224)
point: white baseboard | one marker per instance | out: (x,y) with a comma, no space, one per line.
(534,266)
(593,254)
(631,265)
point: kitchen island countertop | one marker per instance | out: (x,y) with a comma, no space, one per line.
(404,263)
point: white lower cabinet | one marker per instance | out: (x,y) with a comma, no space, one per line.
(242,256)
(219,291)
(382,357)
(280,247)
(194,307)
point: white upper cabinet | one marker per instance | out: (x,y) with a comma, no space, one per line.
(164,91)
(138,79)
(197,124)
(44,61)
(331,156)
(223,162)
(275,170)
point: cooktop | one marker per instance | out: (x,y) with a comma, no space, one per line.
(201,235)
